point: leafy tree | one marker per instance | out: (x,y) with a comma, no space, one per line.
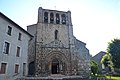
(107,60)
(94,67)
(114,49)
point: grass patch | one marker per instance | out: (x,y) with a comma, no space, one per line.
(113,77)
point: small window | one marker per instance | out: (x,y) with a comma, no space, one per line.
(3,68)
(16,68)
(19,37)
(46,17)
(9,30)
(57,19)
(51,18)
(63,19)
(6,48)
(18,52)
(56,34)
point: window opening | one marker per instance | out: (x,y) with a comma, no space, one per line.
(16,68)
(56,34)
(51,18)
(63,19)
(6,48)
(18,52)
(57,19)
(46,17)
(19,37)
(3,68)
(9,30)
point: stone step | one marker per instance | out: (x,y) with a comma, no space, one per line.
(55,77)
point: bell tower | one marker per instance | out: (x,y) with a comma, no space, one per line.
(54,25)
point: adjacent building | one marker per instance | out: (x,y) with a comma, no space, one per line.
(54,49)
(13,49)
(97,58)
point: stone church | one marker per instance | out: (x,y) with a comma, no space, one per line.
(54,49)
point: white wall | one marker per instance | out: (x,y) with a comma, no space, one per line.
(11,58)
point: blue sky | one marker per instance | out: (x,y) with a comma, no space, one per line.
(95,22)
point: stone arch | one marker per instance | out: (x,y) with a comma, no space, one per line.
(46,17)
(63,18)
(57,19)
(51,18)
(61,64)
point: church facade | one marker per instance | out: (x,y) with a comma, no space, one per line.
(54,49)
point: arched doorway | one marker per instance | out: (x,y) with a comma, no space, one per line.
(57,63)
(55,66)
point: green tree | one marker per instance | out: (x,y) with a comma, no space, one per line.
(114,49)
(94,67)
(107,60)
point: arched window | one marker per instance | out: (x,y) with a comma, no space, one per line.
(57,18)
(63,19)
(56,34)
(46,17)
(51,18)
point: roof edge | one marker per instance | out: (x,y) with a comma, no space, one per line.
(2,15)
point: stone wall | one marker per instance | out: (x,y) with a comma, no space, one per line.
(63,47)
